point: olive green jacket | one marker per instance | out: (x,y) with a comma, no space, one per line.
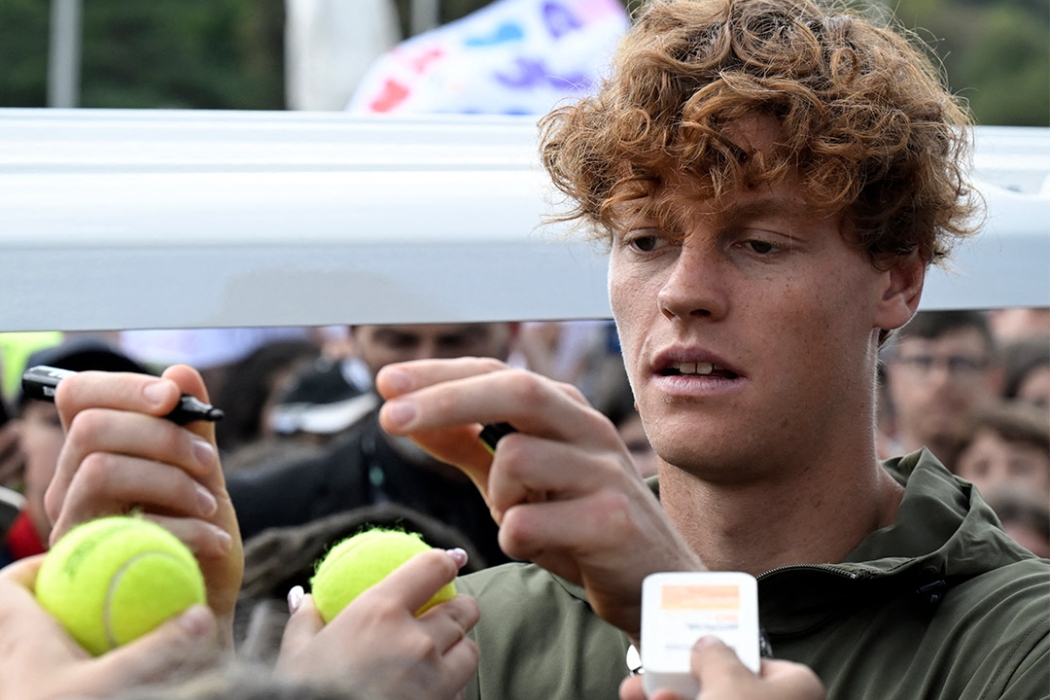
(941,604)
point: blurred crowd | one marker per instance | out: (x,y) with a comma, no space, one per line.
(306,461)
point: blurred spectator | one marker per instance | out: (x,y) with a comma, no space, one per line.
(250,387)
(562,350)
(12,459)
(323,399)
(941,368)
(1008,443)
(1013,324)
(42,439)
(365,466)
(1024,517)
(210,350)
(1026,371)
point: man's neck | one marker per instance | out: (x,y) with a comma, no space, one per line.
(818,517)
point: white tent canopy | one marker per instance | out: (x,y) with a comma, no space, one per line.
(170,219)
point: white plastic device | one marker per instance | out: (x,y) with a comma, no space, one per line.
(678,608)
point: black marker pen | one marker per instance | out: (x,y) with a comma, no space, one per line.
(41,381)
(492,432)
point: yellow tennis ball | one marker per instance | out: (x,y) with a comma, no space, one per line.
(111,580)
(359,562)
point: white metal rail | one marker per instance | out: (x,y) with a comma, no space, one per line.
(168,219)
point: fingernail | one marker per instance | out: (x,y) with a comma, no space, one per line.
(708,641)
(155,392)
(224,540)
(203,452)
(400,413)
(196,620)
(206,502)
(459,556)
(295,598)
(397,380)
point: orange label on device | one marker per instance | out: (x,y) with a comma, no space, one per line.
(700,597)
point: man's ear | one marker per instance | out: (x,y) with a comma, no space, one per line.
(901,291)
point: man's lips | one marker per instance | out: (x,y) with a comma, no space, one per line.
(704,369)
(680,362)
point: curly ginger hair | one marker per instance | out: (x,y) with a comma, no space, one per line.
(865,121)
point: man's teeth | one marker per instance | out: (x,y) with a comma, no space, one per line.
(693,367)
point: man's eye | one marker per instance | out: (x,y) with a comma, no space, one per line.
(762,247)
(645,244)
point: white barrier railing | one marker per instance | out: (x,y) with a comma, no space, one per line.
(168,219)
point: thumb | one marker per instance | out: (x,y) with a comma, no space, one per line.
(631,688)
(304,624)
(716,665)
(187,642)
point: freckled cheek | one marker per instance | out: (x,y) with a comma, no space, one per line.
(634,307)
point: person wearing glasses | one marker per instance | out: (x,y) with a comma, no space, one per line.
(942,368)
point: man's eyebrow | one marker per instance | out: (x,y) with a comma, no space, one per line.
(754,208)
(388,334)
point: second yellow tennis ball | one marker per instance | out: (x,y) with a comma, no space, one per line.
(359,562)
(111,580)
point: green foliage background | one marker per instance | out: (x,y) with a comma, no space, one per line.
(228,54)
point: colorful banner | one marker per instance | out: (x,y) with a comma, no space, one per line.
(510,57)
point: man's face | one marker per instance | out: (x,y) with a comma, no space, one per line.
(750,344)
(990,462)
(937,384)
(379,346)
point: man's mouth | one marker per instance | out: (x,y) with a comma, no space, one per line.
(702,369)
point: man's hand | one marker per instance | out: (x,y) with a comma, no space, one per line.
(40,661)
(378,642)
(563,488)
(723,677)
(120,455)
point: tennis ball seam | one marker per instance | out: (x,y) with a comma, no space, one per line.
(111,591)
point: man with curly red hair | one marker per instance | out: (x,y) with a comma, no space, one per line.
(773,181)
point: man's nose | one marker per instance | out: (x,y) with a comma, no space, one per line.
(696,285)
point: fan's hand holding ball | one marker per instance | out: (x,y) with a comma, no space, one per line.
(359,562)
(111,580)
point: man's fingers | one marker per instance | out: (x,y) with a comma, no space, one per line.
(403,377)
(530,403)
(109,484)
(100,443)
(190,382)
(126,391)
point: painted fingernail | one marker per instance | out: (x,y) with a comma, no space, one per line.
(206,502)
(400,413)
(459,556)
(295,598)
